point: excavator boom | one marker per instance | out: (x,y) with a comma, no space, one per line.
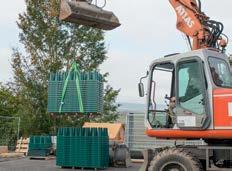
(205,33)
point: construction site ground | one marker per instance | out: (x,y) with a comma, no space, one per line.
(25,164)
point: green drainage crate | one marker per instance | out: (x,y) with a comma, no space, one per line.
(40,146)
(83,147)
(75,92)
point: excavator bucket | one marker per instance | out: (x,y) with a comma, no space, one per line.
(81,12)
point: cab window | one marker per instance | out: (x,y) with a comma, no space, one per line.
(161,86)
(191,87)
(220,72)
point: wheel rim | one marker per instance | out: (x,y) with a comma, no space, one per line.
(173,166)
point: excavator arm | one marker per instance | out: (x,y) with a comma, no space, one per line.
(205,33)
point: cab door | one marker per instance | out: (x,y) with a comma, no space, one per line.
(192,99)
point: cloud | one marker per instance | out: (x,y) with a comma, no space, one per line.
(154,22)
(9,11)
(125,71)
(5,67)
(143,23)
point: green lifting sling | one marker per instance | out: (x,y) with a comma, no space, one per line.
(74,68)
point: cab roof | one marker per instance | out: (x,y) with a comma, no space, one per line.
(201,53)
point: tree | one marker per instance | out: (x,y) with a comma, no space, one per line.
(110,106)
(50,45)
(8,101)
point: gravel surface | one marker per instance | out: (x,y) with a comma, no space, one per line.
(47,165)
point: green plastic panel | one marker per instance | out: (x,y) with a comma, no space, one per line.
(39,145)
(83,147)
(91,85)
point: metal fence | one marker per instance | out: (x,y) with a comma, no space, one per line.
(137,140)
(9,131)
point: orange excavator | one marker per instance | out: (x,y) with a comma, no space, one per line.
(196,85)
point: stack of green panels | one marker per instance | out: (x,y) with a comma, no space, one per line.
(39,146)
(91,86)
(83,147)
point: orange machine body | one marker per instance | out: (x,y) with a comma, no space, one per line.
(222,105)
(182,134)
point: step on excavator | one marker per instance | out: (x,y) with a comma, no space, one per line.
(197,88)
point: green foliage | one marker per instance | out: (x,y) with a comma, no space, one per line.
(52,45)
(9,131)
(8,109)
(110,105)
(8,101)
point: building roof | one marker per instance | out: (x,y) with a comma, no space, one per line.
(114,129)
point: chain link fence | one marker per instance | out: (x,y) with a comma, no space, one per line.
(9,131)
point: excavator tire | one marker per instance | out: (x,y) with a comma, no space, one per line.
(175,159)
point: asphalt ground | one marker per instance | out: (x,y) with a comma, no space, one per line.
(26,164)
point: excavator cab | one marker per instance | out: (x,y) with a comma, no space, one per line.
(190,94)
(186,94)
(85,13)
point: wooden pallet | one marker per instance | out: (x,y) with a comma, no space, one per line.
(22,145)
(42,158)
(3,149)
(11,155)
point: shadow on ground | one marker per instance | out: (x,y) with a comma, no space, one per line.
(48,165)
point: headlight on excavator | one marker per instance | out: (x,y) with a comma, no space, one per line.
(82,12)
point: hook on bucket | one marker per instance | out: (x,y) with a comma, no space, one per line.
(84,13)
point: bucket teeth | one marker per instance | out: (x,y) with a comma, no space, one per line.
(81,12)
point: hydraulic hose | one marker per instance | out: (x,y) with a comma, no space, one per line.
(199,5)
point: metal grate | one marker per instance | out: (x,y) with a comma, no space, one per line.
(137,140)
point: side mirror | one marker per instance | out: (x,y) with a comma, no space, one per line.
(141,86)
(141,89)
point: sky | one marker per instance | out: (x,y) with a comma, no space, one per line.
(148,32)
